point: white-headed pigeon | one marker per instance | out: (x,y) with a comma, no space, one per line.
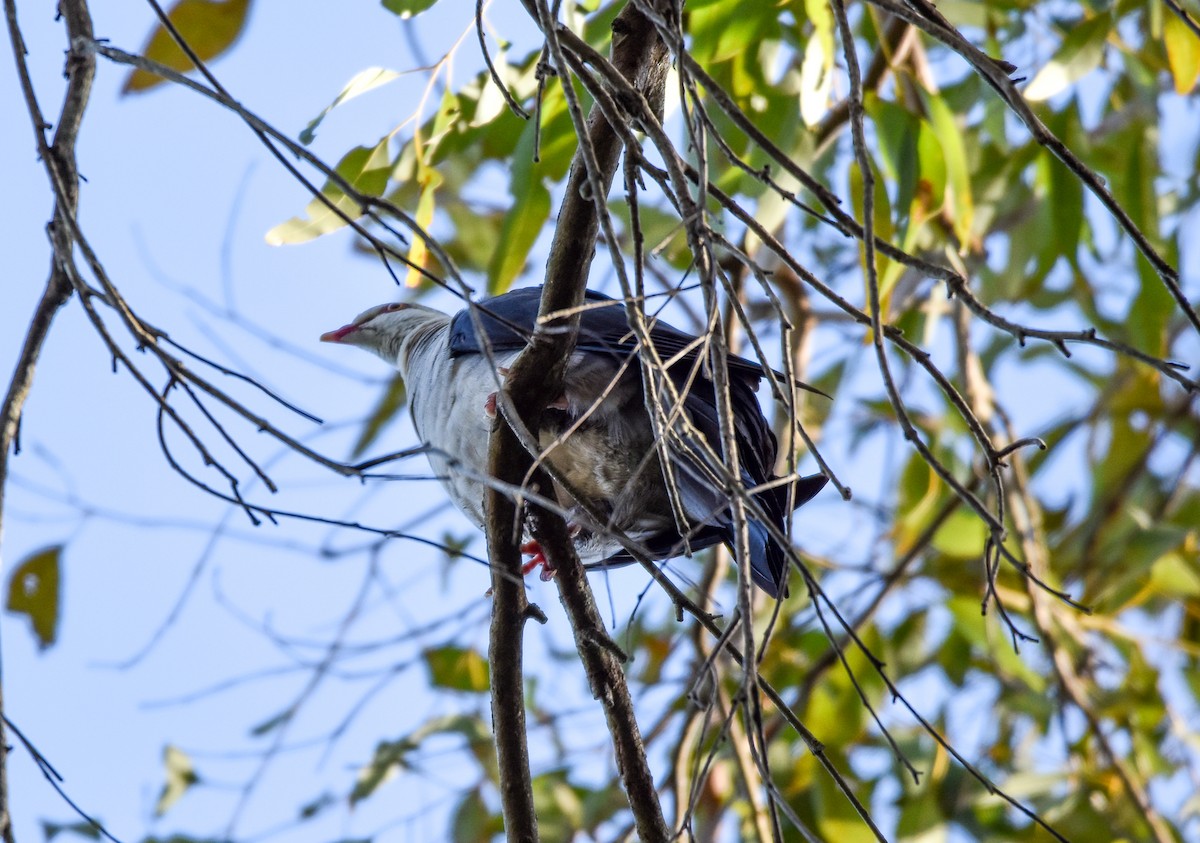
(609,455)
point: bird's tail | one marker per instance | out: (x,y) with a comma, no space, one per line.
(768,559)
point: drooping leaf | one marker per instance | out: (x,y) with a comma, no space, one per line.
(558,806)
(474,822)
(33,591)
(180,775)
(816,71)
(210,27)
(387,410)
(1079,54)
(366,169)
(361,83)
(1183,53)
(524,221)
(960,204)
(391,756)
(418,252)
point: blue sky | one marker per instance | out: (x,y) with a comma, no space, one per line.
(178,198)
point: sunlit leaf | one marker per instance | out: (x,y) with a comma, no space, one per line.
(558,806)
(1079,54)
(408,8)
(962,535)
(363,81)
(458,669)
(418,252)
(1183,53)
(33,591)
(210,27)
(180,775)
(816,71)
(366,169)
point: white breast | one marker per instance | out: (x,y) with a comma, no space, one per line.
(446,398)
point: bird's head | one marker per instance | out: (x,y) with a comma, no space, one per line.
(387,329)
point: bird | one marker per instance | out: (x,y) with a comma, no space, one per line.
(601,440)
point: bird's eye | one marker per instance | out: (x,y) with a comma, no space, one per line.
(392,308)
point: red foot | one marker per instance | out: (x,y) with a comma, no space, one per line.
(489,406)
(538,560)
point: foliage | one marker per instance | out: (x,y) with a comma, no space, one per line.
(1058,590)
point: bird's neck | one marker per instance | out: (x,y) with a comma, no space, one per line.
(423,340)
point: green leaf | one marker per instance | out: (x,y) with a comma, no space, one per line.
(525,219)
(962,536)
(960,205)
(209,27)
(363,81)
(883,229)
(558,806)
(50,830)
(1062,211)
(181,775)
(457,668)
(473,822)
(836,817)
(386,411)
(366,169)
(392,755)
(273,723)
(317,806)
(33,590)
(1005,662)
(1175,577)
(408,8)
(897,131)
(389,757)
(1079,54)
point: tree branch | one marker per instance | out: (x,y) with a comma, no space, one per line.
(59,159)
(533,381)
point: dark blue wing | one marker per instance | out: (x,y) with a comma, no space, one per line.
(509,320)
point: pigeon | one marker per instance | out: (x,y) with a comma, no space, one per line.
(598,435)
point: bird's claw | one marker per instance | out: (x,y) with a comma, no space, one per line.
(490,406)
(539,560)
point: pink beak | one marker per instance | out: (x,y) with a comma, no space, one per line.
(340,334)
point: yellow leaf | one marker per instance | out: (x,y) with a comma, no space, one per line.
(209,28)
(1183,53)
(417,253)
